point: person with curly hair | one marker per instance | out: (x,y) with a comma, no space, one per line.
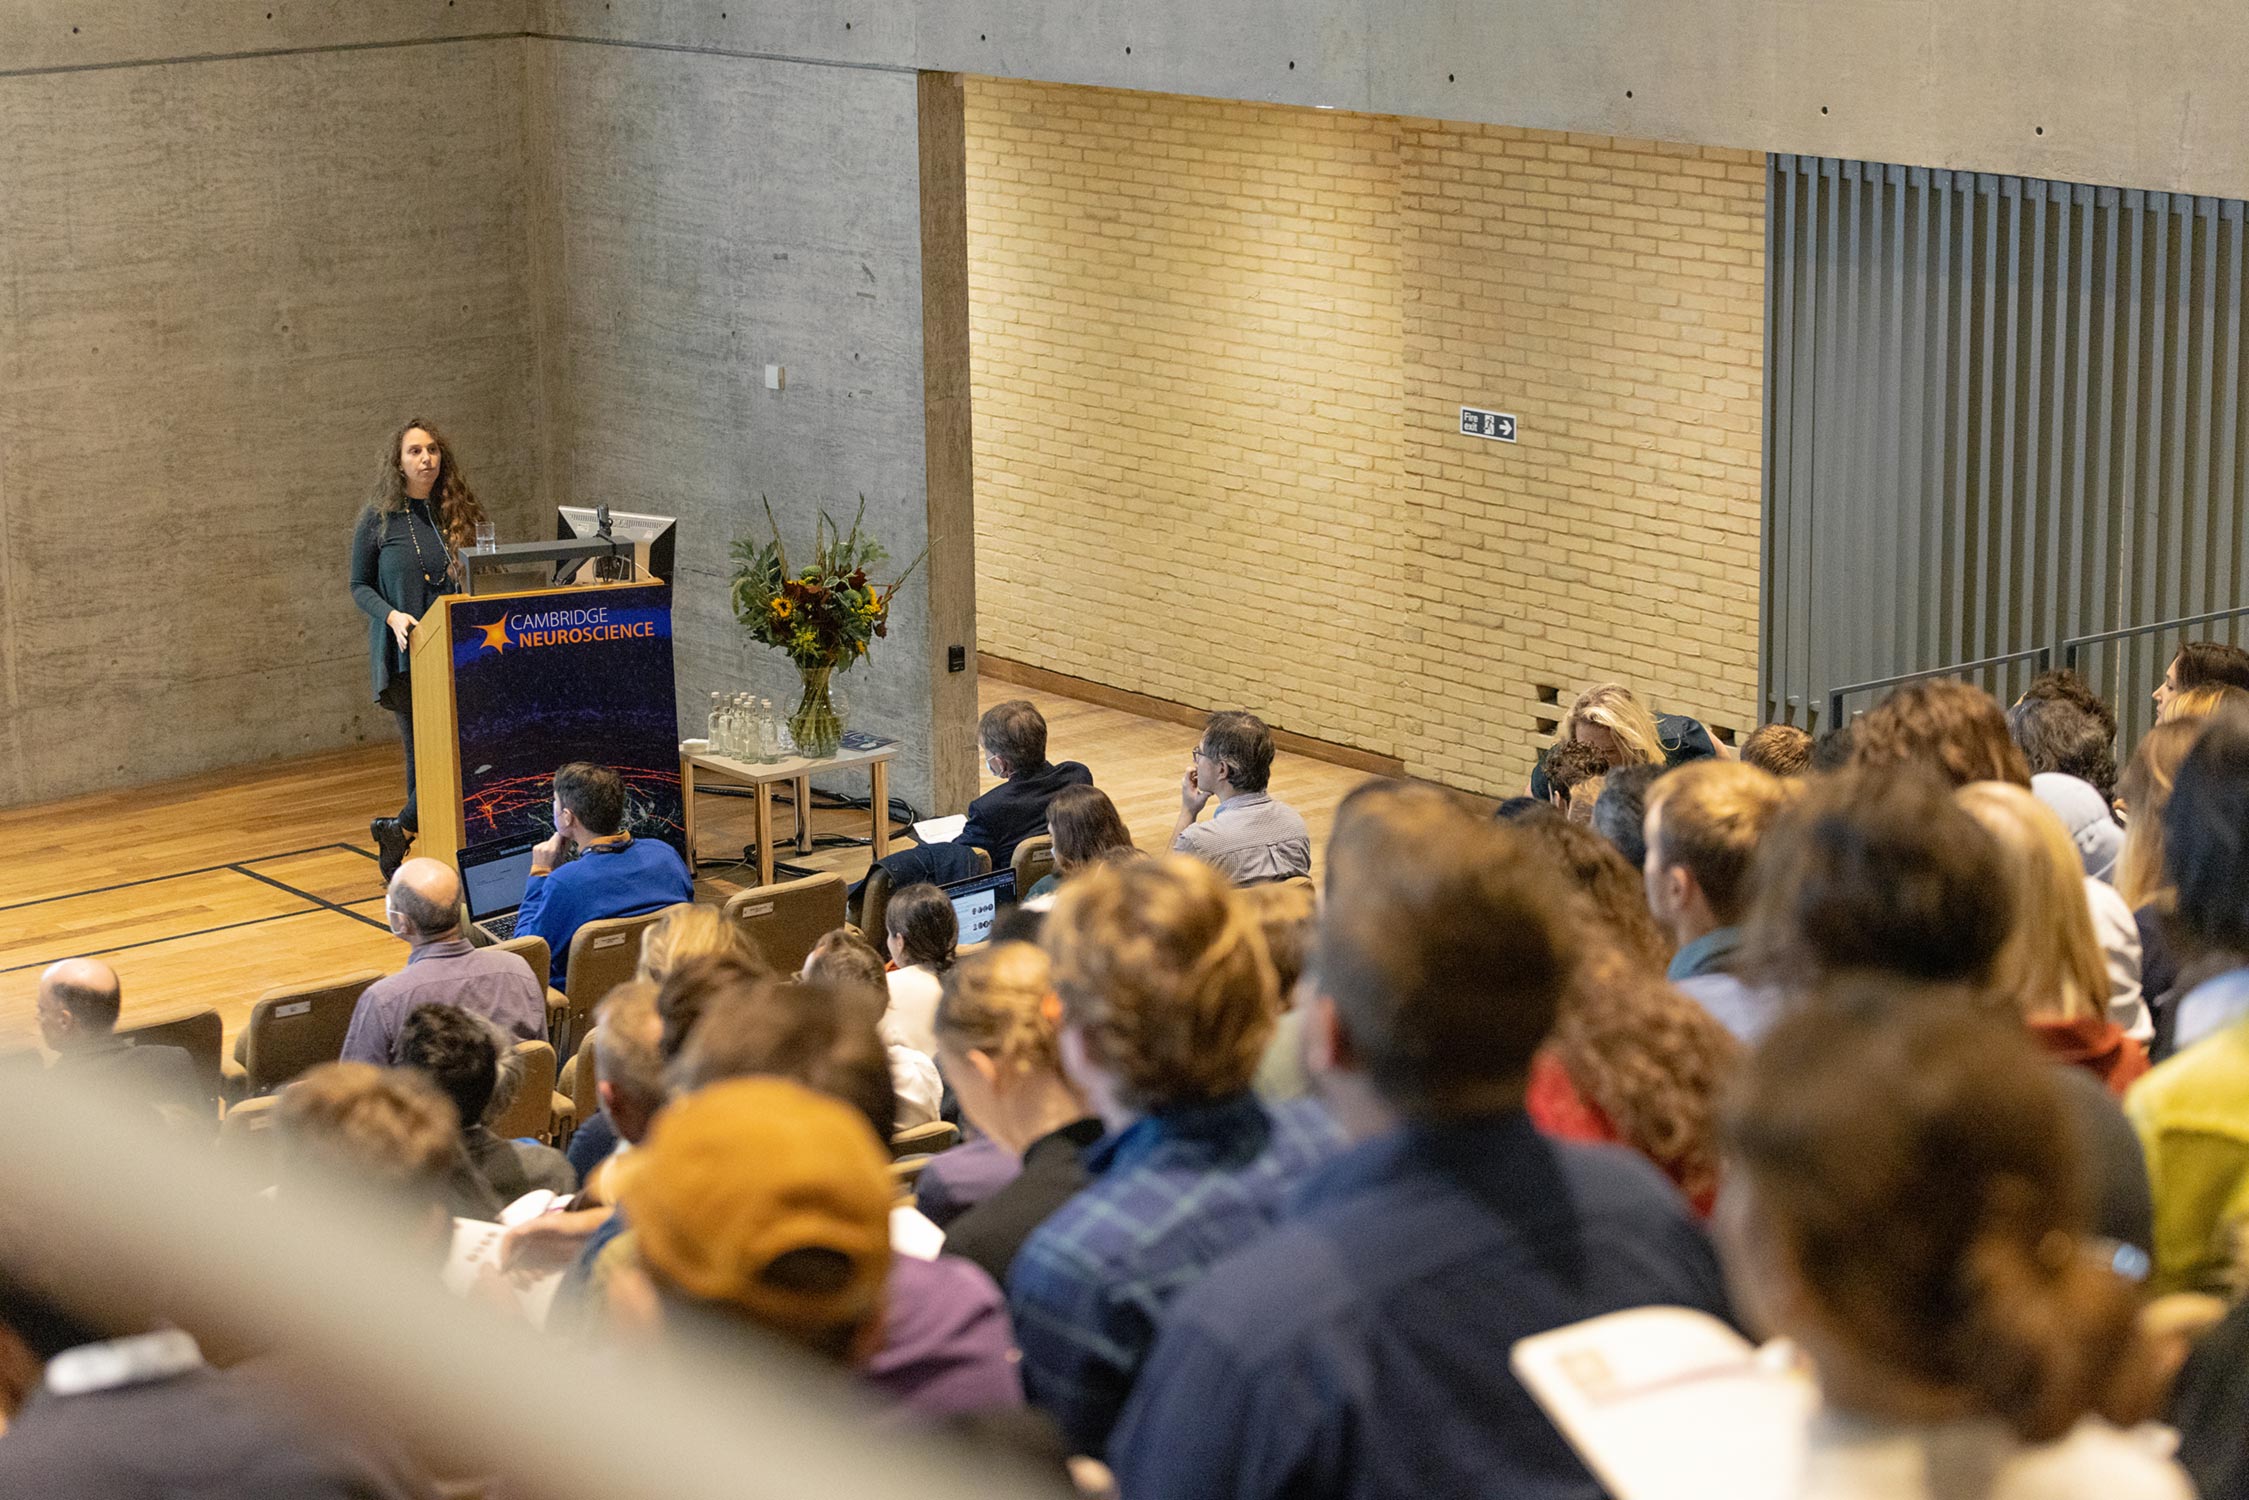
(405,555)
(1362,1346)
(1166,996)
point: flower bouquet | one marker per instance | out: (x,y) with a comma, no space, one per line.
(823,616)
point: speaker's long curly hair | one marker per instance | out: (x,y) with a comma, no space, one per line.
(453,504)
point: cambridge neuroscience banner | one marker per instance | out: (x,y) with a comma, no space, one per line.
(541,682)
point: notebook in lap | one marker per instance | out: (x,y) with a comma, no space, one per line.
(492,878)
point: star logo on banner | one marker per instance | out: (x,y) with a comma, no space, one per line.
(495,636)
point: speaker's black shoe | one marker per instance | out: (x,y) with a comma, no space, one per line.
(391,841)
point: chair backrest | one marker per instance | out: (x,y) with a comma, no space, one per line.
(1299,880)
(786,918)
(925,1140)
(874,902)
(532,1111)
(200,1036)
(291,1030)
(533,950)
(603,955)
(1033,862)
(579,1080)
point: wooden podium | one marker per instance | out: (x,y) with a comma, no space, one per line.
(510,687)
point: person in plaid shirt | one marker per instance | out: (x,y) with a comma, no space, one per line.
(1167,999)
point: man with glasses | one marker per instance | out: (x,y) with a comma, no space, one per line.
(1250,837)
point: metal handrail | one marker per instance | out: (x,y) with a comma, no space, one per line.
(1835,696)
(2071,646)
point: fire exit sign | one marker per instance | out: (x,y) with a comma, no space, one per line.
(1497,425)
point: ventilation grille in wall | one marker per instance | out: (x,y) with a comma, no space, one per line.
(1998,411)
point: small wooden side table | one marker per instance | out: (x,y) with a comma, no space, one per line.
(797,769)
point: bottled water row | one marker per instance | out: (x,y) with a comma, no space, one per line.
(747,728)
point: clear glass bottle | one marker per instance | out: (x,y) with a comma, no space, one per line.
(717,725)
(768,732)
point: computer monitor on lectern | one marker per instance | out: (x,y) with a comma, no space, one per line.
(651,538)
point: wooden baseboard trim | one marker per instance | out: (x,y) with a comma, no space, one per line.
(1023,674)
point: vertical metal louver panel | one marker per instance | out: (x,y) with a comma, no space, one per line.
(1999,412)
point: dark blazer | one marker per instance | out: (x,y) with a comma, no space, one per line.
(1015,810)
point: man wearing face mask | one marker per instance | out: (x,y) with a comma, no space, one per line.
(1012,737)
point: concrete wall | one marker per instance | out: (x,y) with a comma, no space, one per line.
(703,214)
(2135,93)
(1220,354)
(233,256)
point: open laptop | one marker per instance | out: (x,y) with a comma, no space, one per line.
(492,877)
(977,902)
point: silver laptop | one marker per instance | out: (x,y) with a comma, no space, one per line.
(492,878)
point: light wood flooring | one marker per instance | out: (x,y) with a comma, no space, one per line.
(206,892)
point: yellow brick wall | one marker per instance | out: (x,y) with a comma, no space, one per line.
(1219,351)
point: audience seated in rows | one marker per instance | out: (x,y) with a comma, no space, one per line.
(592,868)
(757,1202)
(1625,733)
(1704,823)
(1883,872)
(1361,1347)
(923,934)
(847,964)
(998,1043)
(1085,826)
(1906,1205)
(1011,737)
(460,1053)
(1630,1061)
(1167,999)
(423,906)
(78,1004)
(945,1345)
(1251,835)
(2192,1111)
(687,930)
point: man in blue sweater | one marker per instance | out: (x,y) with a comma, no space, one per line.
(614,875)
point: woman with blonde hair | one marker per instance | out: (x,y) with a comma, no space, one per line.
(1627,733)
(996,1044)
(693,929)
(2050,972)
(2191,705)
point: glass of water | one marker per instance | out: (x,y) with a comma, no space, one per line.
(487,536)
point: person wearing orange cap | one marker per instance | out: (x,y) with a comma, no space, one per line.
(764,1203)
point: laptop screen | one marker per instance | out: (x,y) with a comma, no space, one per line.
(977,903)
(492,877)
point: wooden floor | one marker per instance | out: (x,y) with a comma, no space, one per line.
(208,891)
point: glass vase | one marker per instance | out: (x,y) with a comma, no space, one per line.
(816,724)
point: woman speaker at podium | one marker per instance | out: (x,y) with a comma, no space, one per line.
(405,553)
